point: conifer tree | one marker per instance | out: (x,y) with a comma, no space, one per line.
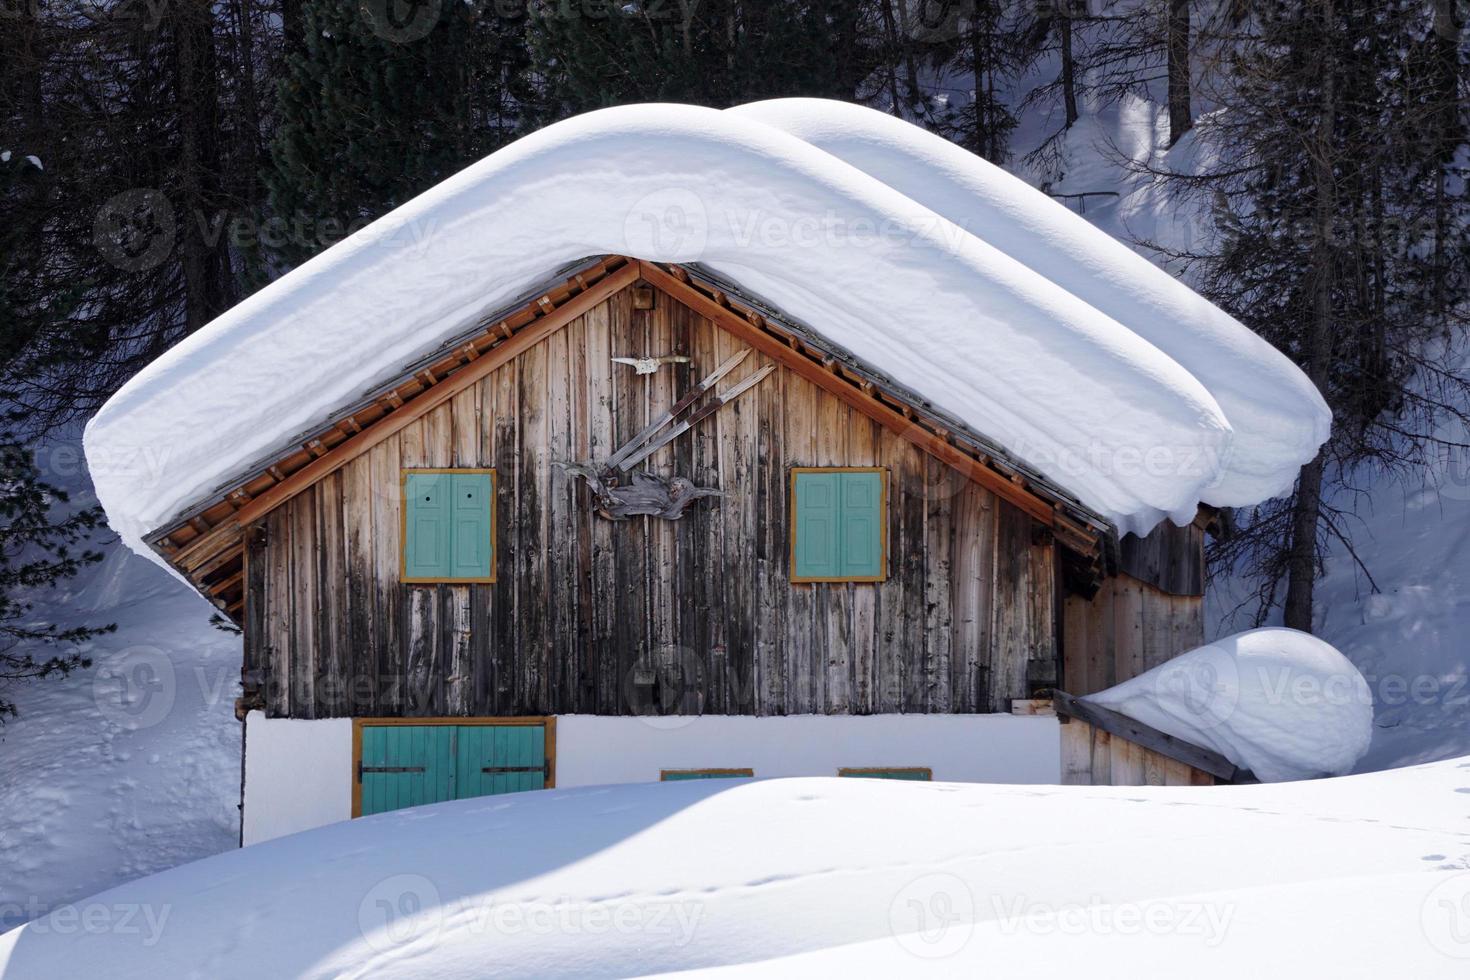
(1341,196)
(714,52)
(988,44)
(131,107)
(39,538)
(381,100)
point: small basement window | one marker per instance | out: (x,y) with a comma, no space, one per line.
(918,773)
(673,775)
(839,524)
(448,525)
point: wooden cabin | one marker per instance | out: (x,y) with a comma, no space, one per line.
(446,591)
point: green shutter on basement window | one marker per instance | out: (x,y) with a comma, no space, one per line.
(679,775)
(818,505)
(922,775)
(426,526)
(861,537)
(471,547)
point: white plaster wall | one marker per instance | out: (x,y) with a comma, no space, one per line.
(990,748)
(298,775)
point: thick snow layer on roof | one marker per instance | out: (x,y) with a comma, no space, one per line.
(1357,877)
(1277,416)
(1281,703)
(1082,397)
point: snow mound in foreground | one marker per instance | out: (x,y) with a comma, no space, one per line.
(1281,703)
(1133,881)
(1085,398)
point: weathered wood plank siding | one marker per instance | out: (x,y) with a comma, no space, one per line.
(1170,558)
(1127,628)
(694,616)
(1092,757)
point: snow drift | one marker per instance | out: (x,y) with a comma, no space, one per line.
(1087,399)
(958,879)
(1281,703)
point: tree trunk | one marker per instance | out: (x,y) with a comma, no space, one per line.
(1069,64)
(977,58)
(1445,136)
(293,27)
(1307,508)
(208,284)
(1301,560)
(1181,116)
(20,84)
(890,26)
(911,68)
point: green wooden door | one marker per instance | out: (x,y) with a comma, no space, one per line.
(410,765)
(406,765)
(500,759)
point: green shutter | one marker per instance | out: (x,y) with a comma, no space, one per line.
(678,775)
(471,548)
(839,525)
(406,765)
(861,545)
(818,501)
(426,525)
(447,527)
(918,775)
(496,759)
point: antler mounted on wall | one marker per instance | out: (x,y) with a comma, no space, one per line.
(645,493)
(648,365)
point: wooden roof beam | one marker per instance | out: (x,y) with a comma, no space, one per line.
(229,583)
(206,546)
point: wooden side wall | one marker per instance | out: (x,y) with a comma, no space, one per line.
(646,616)
(1093,757)
(1127,628)
(1170,558)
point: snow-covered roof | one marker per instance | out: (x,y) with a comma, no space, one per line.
(991,300)
(1278,702)
(1277,418)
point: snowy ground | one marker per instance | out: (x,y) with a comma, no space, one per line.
(1361,876)
(130,767)
(1409,637)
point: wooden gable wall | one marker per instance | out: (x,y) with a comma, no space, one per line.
(693,616)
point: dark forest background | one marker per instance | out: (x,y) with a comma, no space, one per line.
(162,159)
